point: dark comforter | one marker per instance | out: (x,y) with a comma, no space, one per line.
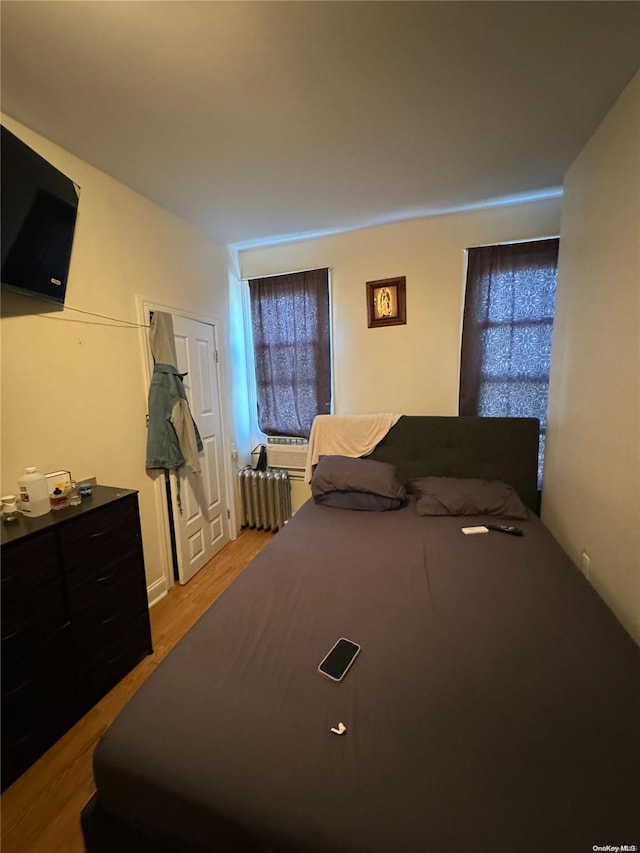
(494,705)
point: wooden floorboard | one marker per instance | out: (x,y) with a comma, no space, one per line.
(41,810)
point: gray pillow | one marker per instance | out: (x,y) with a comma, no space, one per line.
(453,496)
(351,483)
(363,501)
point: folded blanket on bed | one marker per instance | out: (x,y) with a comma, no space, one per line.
(346,435)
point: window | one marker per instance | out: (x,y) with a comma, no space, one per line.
(506,332)
(291,340)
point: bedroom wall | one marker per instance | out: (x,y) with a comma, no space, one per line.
(411,369)
(592,474)
(74,389)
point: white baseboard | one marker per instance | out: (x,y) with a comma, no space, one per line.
(156,591)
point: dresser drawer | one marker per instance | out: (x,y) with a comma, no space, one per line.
(28,622)
(39,690)
(90,586)
(40,702)
(27,566)
(110,667)
(105,622)
(19,752)
(102,536)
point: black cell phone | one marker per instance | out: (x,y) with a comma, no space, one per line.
(339,659)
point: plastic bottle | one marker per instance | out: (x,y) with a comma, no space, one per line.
(9,508)
(34,493)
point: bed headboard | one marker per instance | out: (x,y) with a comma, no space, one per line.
(487,448)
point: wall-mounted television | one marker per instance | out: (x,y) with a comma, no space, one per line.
(39,208)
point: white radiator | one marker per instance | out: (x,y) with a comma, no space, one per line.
(265,498)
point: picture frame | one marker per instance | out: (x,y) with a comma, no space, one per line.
(387,302)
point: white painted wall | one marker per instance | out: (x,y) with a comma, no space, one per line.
(74,392)
(411,369)
(592,473)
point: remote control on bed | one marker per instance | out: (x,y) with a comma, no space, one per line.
(504,528)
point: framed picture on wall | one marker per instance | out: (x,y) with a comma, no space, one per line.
(387,302)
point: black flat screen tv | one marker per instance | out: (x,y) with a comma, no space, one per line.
(39,208)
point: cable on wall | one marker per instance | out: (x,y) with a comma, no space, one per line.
(126,323)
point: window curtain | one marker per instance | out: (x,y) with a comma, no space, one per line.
(290,321)
(506,332)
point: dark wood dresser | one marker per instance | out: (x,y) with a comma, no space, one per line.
(75,618)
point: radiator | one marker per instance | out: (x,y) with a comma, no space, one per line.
(265,498)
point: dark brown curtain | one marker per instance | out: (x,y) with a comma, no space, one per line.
(290,320)
(506,332)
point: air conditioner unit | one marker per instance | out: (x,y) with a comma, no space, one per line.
(286,452)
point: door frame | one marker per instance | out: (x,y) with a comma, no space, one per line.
(144,307)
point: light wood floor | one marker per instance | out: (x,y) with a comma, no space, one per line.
(41,810)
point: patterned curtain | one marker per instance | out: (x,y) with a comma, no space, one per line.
(290,320)
(506,332)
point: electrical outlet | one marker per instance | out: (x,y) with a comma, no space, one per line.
(585,564)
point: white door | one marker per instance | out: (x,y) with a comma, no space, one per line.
(200,511)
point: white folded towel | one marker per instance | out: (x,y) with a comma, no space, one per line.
(346,435)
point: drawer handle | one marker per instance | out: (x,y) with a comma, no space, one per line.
(101,533)
(105,578)
(12,636)
(22,740)
(17,689)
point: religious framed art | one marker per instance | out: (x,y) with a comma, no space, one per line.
(387,302)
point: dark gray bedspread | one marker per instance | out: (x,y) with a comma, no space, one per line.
(494,705)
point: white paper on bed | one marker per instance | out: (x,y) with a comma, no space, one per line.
(346,435)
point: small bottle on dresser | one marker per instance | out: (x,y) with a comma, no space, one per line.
(9,508)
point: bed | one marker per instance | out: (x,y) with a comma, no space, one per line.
(494,705)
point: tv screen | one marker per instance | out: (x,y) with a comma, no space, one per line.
(39,207)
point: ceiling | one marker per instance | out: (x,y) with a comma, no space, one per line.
(262,121)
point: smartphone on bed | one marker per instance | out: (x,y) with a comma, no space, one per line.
(339,659)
